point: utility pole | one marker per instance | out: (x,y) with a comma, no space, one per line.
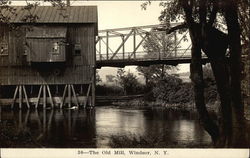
(68,3)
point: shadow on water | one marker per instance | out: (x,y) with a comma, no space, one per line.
(101,126)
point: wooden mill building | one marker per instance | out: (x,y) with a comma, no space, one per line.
(48,58)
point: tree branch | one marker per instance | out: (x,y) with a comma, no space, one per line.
(178,27)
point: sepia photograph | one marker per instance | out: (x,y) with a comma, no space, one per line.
(85,74)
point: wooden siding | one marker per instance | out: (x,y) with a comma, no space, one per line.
(78,69)
(40,44)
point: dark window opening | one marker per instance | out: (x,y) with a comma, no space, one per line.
(77,49)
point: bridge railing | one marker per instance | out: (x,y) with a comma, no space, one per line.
(128,44)
(142,55)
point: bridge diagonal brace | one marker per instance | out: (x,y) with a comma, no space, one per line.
(123,42)
(143,39)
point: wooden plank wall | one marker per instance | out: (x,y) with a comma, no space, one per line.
(14,68)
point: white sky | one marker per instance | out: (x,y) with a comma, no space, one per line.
(119,14)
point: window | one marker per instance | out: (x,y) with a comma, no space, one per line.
(3,49)
(77,49)
(55,48)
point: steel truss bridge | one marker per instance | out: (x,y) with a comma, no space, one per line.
(127,46)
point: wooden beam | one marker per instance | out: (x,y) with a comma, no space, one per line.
(63,97)
(69,96)
(74,94)
(44,97)
(20,97)
(14,97)
(93,87)
(87,96)
(50,96)
(38,97)
(26,97)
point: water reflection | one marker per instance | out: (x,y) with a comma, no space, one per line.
(94,128)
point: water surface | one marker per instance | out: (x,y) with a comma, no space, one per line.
(97,128)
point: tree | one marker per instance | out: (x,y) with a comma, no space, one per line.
(128,81)
(202,19)
(160,46)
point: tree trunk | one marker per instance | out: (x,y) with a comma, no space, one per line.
(231,16)
(198,83)
(214,44)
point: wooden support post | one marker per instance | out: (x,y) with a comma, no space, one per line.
(74,94)
(26,97)
(93,87)
(20,97)
(50,96)
(39,96)
(44,97)
(63,97)
(87,96)
(69,96)
(14,97)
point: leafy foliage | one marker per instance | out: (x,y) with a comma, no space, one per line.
(128,82)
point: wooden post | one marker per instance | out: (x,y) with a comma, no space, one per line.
(50,96)
(26,97)
(69,96)
(93,86)
(44,97)
(39,96)
(14,97)
(20,97)
(63,97)
(74,94)
(87,96)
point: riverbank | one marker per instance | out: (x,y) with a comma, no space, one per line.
(140,103)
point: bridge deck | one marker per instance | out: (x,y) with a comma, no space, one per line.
(144,62)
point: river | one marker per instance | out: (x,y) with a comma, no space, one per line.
(108,126)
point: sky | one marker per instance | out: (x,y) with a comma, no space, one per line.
(120,14)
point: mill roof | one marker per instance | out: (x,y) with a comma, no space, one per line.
(51,14)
